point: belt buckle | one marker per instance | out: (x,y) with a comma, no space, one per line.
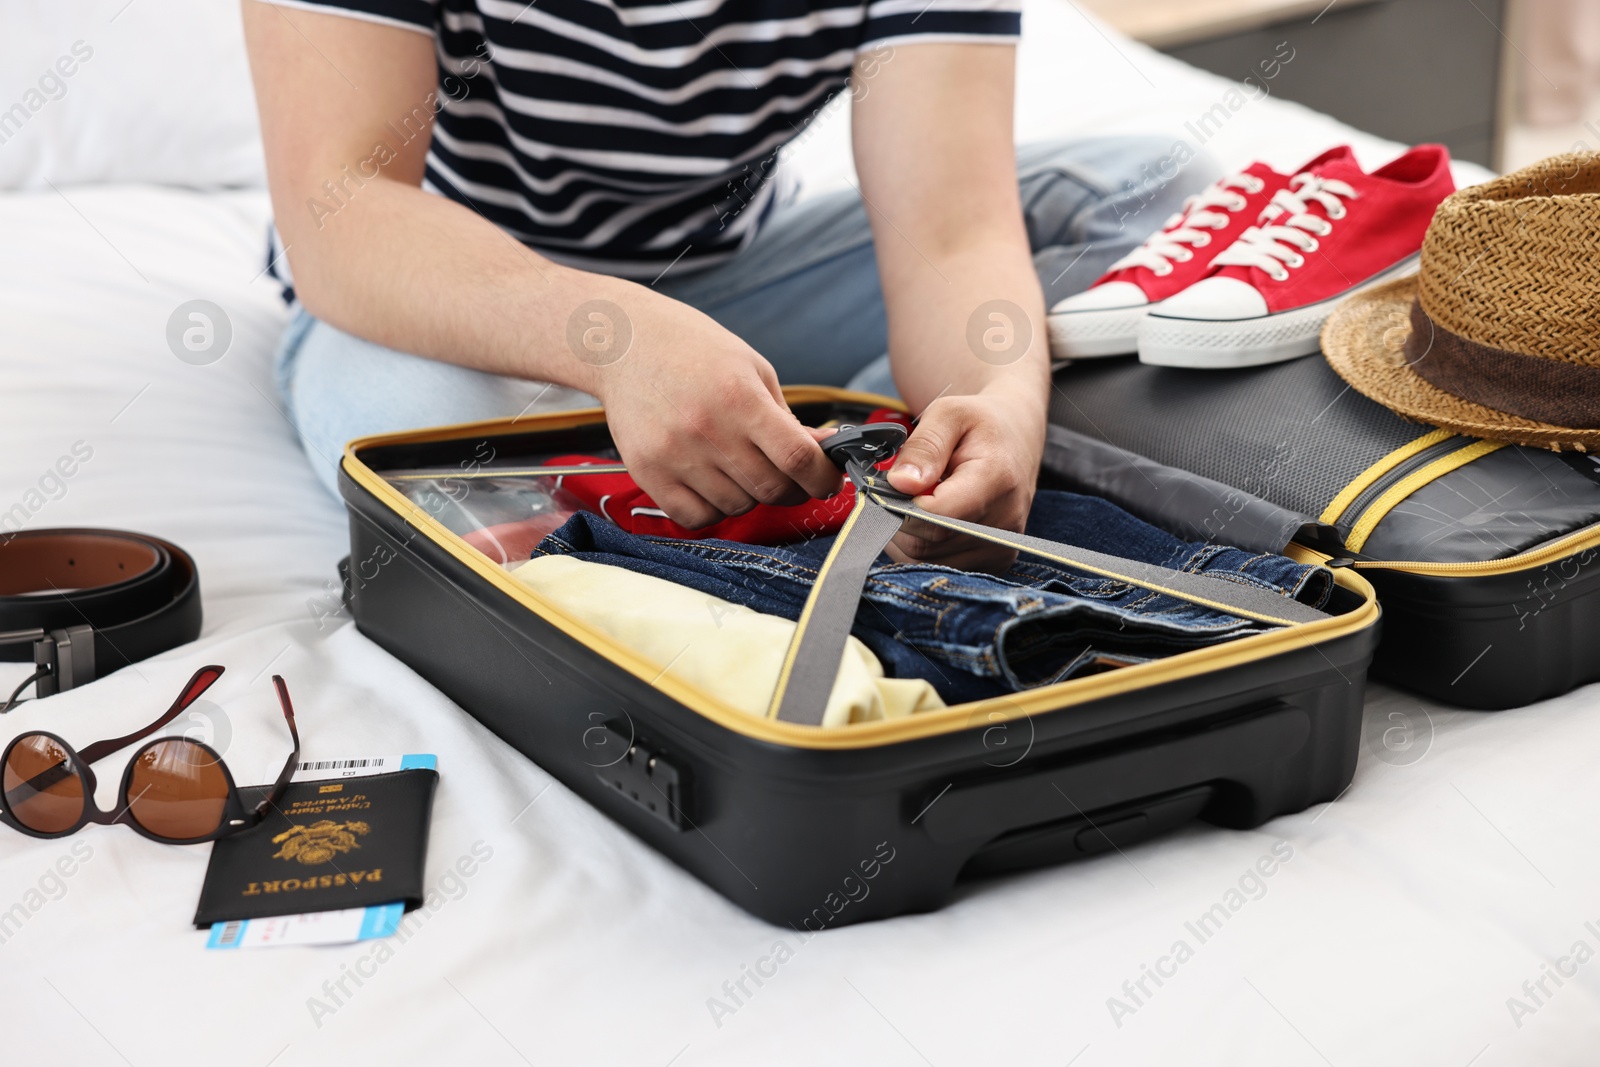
(63,659)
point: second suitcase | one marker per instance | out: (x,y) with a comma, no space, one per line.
(1485,556)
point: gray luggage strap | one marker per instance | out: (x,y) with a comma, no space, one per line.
(811,665)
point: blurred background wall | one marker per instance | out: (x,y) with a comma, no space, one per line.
(1501,82)
(1555,91)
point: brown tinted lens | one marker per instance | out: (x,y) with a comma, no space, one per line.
(43,788)
(177,790)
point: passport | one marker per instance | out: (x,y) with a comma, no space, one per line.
(328,846)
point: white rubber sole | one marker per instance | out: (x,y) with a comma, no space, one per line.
(1095,334)
(1226,343)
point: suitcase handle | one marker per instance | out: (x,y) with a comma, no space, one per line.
(984,810)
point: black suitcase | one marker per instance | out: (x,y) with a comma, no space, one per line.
(816,827)
(1485,557)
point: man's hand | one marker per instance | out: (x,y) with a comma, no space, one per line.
(974,458)
(700,421)
(932,127)
(696,413)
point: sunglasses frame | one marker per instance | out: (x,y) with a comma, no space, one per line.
(236,814)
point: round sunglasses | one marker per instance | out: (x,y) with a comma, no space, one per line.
(174,789)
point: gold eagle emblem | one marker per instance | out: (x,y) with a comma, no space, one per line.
(319,842)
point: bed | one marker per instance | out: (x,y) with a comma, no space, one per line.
(1441,912)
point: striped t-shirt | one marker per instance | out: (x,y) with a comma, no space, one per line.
(625,136)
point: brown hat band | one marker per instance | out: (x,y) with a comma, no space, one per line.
(1546,390)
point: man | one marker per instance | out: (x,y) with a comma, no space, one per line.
(481,197)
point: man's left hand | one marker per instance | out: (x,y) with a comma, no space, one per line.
(975,458)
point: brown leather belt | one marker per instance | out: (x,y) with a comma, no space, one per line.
(83,603)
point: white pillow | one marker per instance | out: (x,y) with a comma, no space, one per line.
(118,91)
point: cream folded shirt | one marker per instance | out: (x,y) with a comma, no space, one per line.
(728,651)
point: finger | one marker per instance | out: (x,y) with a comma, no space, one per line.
(757,475)
(716,488)
(982,490)
(925,456)
(924,542)
(966,494)
(769,380)
(682,504)
(794,452)
(948,545)
(921,539)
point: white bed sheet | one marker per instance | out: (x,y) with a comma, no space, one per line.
(1410,912)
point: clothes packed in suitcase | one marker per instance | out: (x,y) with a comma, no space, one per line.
(825,737)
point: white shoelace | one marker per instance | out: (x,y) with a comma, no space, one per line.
(1287,229)
(1185,230)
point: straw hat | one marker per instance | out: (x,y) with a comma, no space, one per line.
(1498,336)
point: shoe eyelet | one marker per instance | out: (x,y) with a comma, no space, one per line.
(1238,203)
(1201,240)
(1183,255)
(1311,244)
(1296,263)
(1279,275)
(1339,214)
(1164,270)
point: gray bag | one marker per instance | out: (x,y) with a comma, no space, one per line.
(1484,555)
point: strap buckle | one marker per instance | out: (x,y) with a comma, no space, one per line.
(870,444)
(857,450)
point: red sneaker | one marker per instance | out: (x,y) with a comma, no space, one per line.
(1335,230)
(1103,320)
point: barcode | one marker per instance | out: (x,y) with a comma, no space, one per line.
(340,764)
(230,933)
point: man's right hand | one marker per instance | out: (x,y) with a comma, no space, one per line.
(695,411)
(699,419)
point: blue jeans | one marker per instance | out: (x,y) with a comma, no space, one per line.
(976,635)
(805,294)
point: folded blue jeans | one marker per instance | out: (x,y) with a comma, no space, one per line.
(978,635)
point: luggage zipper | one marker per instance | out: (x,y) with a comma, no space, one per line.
(1396,486)
(1371,493)
(1443,452)
(1576,541)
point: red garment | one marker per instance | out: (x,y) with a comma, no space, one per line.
(619,499)
(512,542)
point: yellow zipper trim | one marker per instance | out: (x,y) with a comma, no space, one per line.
(1364,480)
(1410,484)
(1549,552)
(952,719)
